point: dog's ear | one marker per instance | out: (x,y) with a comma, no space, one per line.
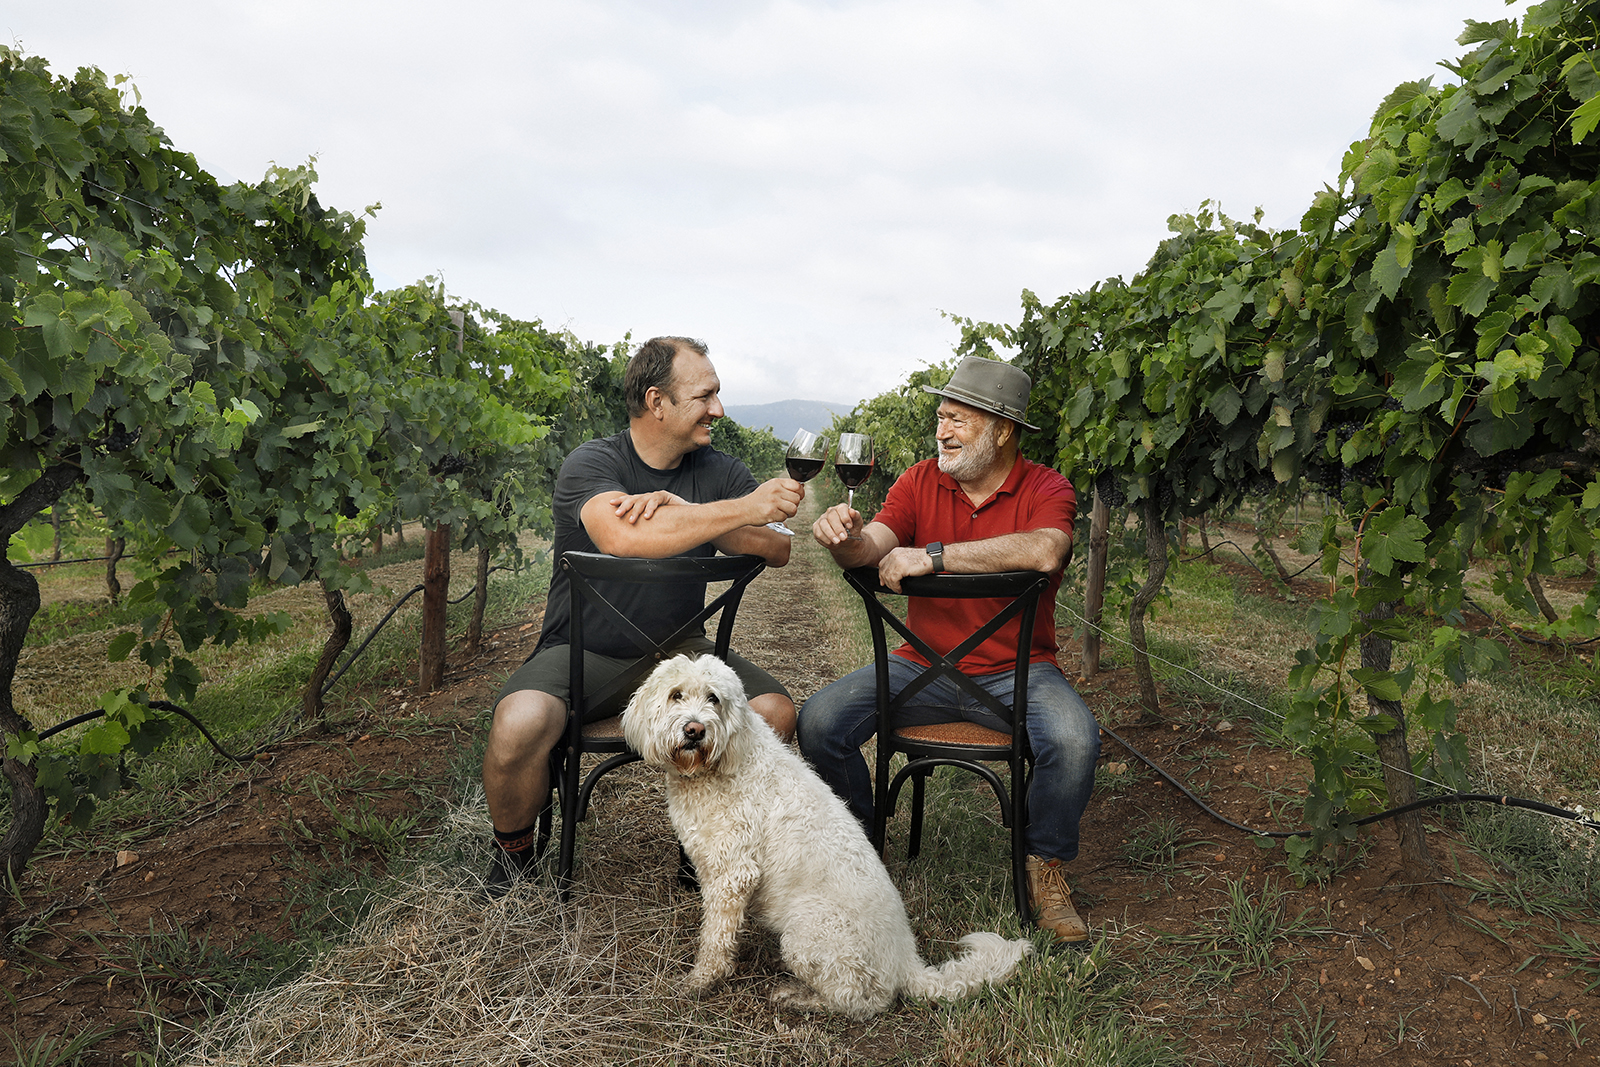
(642,707)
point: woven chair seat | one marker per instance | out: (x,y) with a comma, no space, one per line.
(603,729)
(956,733)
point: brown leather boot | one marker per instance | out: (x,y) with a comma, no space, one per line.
(1051,900)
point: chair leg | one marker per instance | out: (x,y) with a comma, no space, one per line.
(918,790)
(881,805)
(569,826)
(551,803)
(688,877)
(1019,847)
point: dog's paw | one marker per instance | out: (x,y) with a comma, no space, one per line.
(702,983)
(796,996)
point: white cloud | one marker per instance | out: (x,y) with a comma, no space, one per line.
(804,184)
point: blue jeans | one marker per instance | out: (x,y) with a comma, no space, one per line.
(839,719)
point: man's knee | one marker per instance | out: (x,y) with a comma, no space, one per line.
(778,711)
(834,713)
(526,724)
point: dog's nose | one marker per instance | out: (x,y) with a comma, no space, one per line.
(694,731)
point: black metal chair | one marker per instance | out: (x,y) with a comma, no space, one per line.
(964,745)
(604,736)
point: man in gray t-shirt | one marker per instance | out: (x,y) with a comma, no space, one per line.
(655,490)
(612,465)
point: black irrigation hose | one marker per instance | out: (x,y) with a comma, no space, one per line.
(1219,544)
(381,624)
(1451,798)
(159,705)
(385,621)
(61,562)
(1247,559)
(84,559)
(1524,638)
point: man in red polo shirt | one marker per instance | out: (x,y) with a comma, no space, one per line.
(979,507)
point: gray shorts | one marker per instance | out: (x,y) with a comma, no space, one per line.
(550,667)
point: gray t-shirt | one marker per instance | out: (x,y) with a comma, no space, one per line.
(611,463)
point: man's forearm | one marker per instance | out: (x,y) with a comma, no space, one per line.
(1028,550)
(671,531)
(762,541)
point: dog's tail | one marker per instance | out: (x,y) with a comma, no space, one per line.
(989,959)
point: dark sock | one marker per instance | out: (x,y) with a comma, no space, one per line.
(517,841)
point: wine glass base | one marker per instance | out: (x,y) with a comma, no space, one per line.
(780,528)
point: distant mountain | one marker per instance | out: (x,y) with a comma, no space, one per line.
(787,416)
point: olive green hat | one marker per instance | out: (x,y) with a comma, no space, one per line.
(992,386)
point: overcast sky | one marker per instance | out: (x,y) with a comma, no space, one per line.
(805,184)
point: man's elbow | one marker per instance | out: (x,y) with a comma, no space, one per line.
(624,541)
(1054,557)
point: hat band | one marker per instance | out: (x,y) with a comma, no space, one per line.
(997,406)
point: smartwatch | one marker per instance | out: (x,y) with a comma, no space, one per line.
(936,553)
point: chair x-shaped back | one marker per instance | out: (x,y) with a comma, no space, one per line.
(963,745)
(583,570)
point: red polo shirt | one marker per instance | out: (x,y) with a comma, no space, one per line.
(926,505)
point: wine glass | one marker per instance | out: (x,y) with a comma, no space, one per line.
(807,453)
(854,464)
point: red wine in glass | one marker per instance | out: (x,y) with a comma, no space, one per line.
(853,464)
(802,469)
(853,474)
(804,460)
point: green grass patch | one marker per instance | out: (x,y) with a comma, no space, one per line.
(66,618)
(1549,875)
(260,703)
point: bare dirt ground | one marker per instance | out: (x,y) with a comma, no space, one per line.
(1410,973)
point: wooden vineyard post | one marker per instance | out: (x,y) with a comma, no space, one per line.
(1094,592)
(435,598)
(480,600)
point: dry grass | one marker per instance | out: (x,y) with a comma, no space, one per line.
(438,974)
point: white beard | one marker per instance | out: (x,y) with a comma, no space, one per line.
(975,458)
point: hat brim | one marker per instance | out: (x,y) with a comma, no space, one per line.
(982,405)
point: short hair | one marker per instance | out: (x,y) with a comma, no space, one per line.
(651,368)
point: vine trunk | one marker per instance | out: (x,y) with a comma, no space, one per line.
(19,601)
(1155,550)
(1377,653)
(338,638)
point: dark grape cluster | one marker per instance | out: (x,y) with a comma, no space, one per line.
(1366,472)
(1164,497)
(1325,476)
(1330,473)
(118,440)
(450,465)
(1109,487)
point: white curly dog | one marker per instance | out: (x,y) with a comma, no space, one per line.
(770,839)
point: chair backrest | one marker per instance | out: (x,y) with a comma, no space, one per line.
(1021,590)
(583,569)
